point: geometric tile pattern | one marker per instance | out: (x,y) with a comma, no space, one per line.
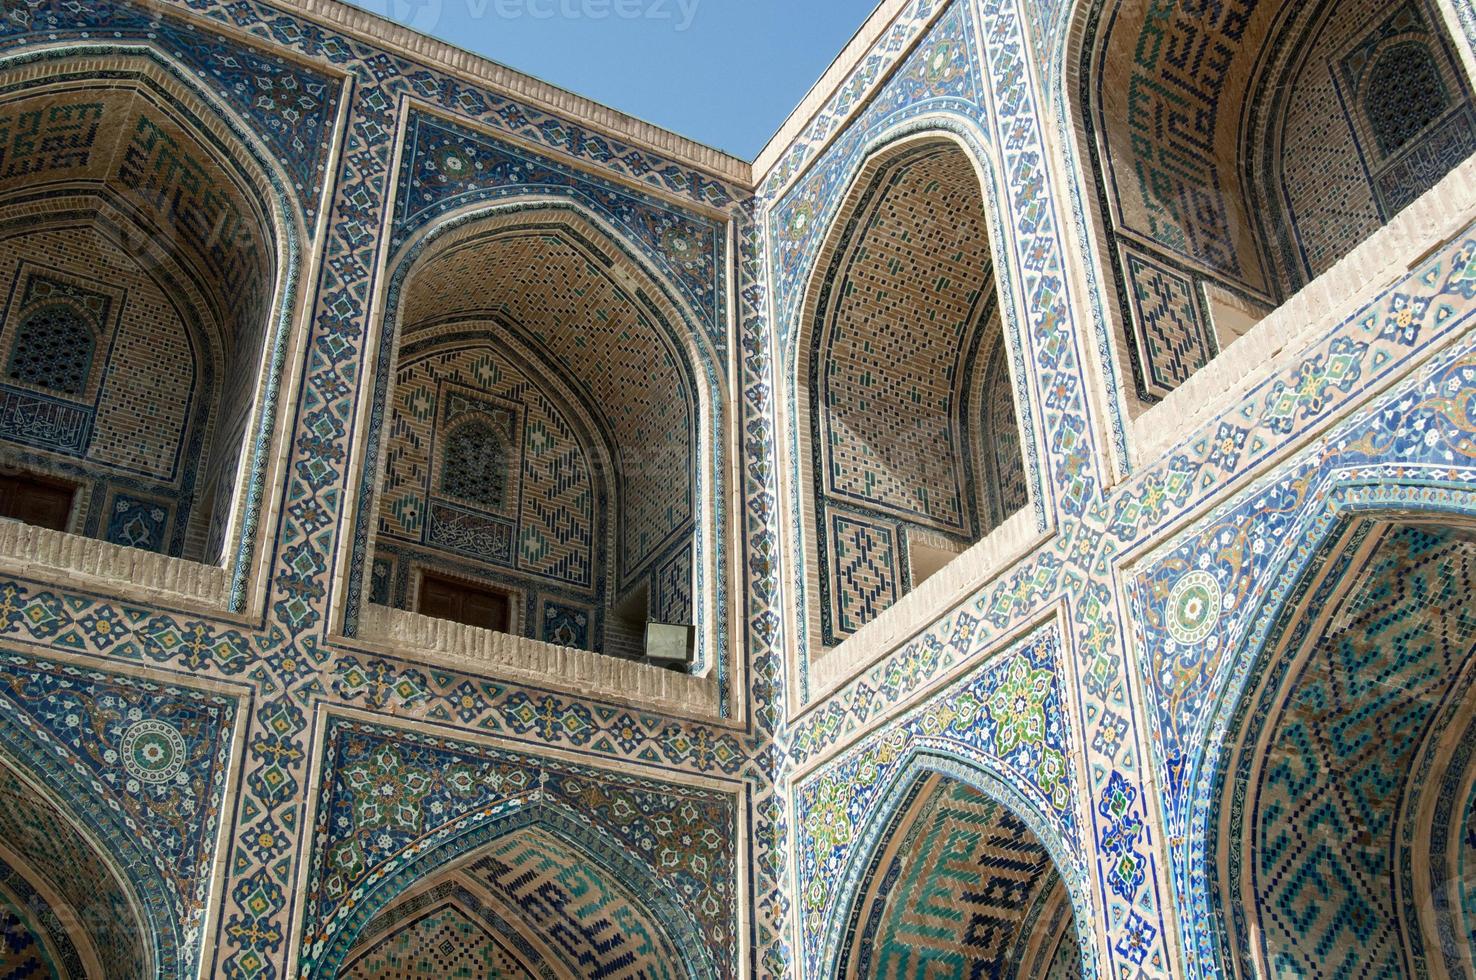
(151,760)
(441,943)
(1374,116)
(889,382)
(595,927)
(74,867)
(53,347)
(446,927)
(551,292)
(954,896)
(489,475)
(1173,339)
(893,360)
(1318,889)
(1005,718)
(867,577)
(1162,125)
(531,904)
(185,302)
(1006,486)
(23,954)
(386,791)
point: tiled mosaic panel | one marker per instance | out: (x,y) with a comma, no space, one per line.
(1257,545)
(892,343)
(867,571)
(138,522)
(55,336)
(1007,489)
(943,74)
(549,287)
(1167,123)
(443,942)
(547,526)
(565,625)
(952,893)
(387,790)
(532,904)
(396,942)
(150,760)
(1319,888)
(1350,89)
(171,175)
(674,589)
(162,318)
(132,428)
(245,14)
(247,936)
(23,954)
(1004,718)
(1467,855)
(1172,336)
(290,105)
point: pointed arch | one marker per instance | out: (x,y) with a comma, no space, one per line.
(924,764)
(66,843)
(224,247)
(867,399)
(1312,597)
(678,563)
(678,933)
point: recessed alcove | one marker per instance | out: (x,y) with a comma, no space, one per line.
(1238,152)
(909,448)
(540,445)
(145,251)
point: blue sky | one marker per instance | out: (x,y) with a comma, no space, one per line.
(723,72)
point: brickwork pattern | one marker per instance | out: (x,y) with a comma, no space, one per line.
(549,287)
(1312,883)
(953,893)
(541,524)
(895,360)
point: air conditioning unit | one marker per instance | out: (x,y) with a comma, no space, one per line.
(670,646)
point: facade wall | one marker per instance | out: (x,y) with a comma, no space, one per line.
(282,790)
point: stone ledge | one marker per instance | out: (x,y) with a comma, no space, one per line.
(72,561)
(1282,337)
(922,608)
(501,656)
